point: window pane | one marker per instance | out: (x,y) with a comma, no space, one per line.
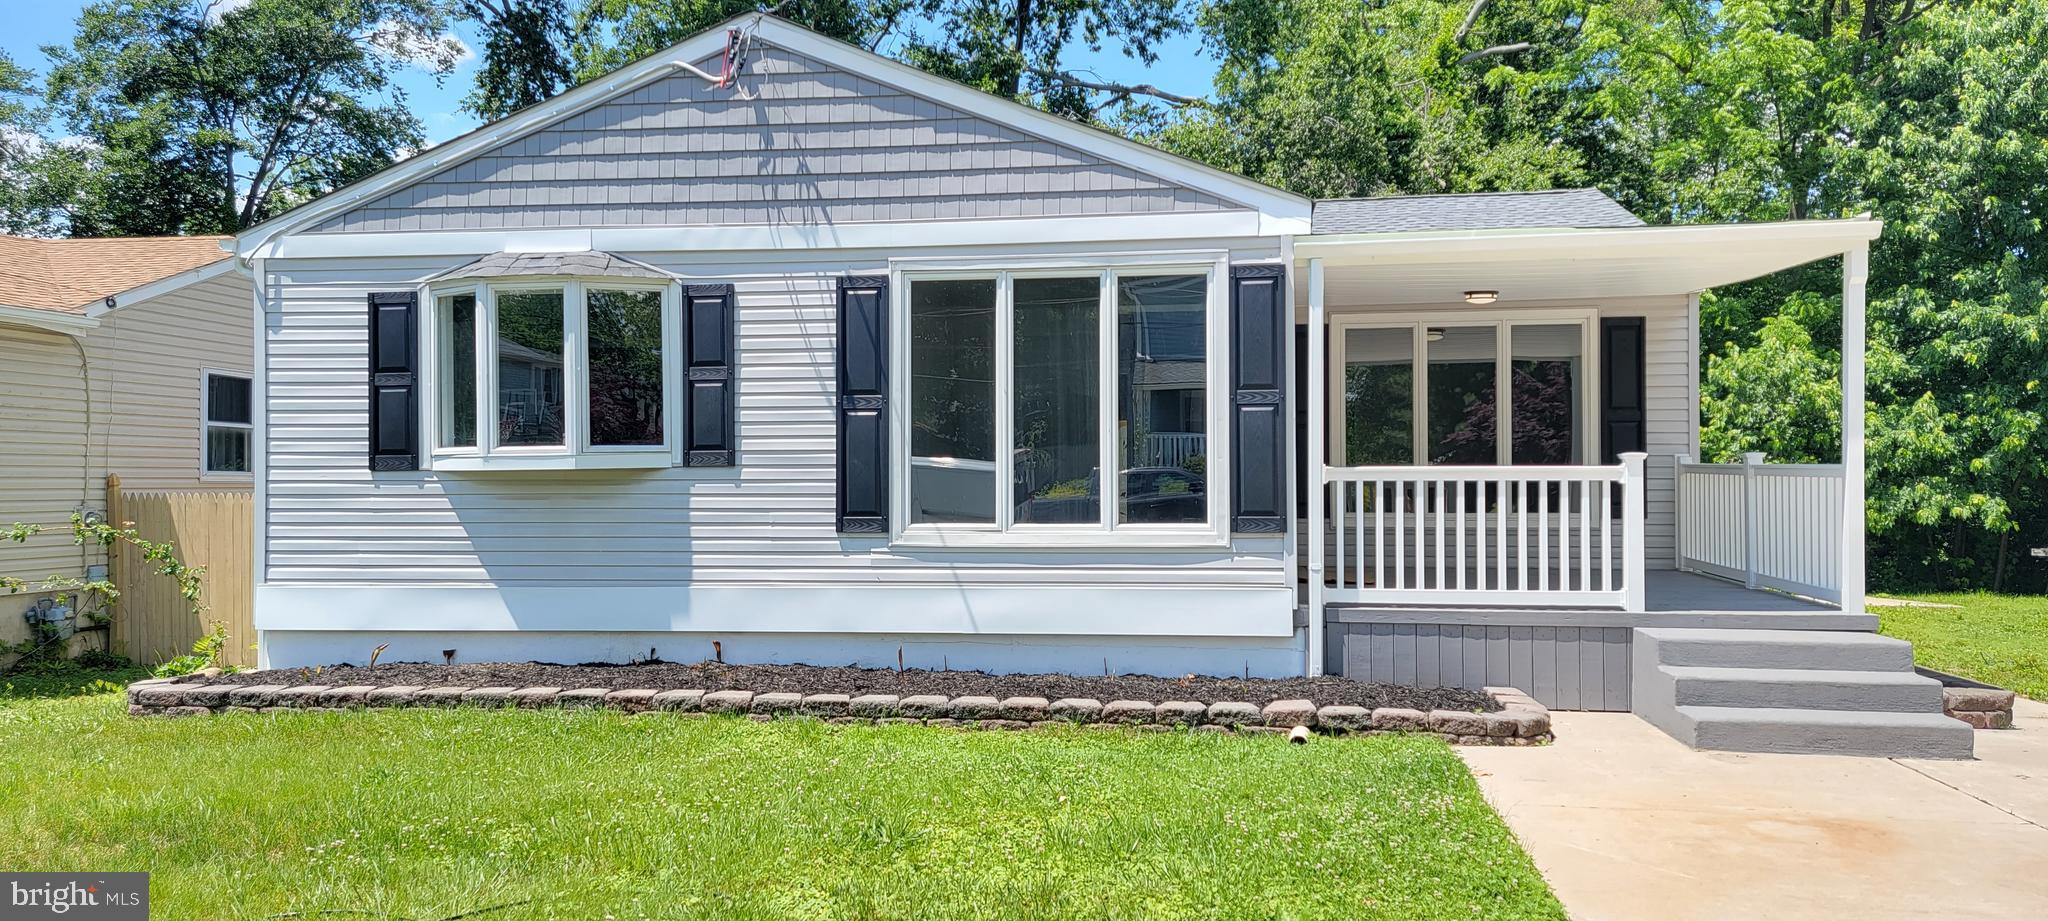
(625,367)
(1545,393)
(1379,396)
(1055,416)
(227,450)
(952,401)
(227,399)
(1461,395)
(457,370)
(529,348)
(1162,398)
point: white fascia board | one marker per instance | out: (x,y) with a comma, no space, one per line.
(1494,245)
(1291,211)
(1094,228)
(54,321)
(162,286)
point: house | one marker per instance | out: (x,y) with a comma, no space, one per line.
(126,356)
(791,349)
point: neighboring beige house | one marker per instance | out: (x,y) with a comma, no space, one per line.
(126,356)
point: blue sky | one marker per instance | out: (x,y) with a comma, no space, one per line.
(1182,67)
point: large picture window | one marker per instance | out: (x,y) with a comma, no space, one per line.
(552,367)
(1058,401)
(1430,391)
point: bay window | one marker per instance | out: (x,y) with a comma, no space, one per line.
(568,369)
(1050,404)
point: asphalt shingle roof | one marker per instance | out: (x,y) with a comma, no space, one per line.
(67,276)
(582,263)
(1480,211)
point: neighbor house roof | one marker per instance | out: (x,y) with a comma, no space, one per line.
(69,276)
(1557,208)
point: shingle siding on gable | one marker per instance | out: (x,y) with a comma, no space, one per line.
(796,142)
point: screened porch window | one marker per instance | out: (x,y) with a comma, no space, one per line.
(1442,392)
(1025,387)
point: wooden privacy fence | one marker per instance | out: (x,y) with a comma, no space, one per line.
(211,528)
(1768,525)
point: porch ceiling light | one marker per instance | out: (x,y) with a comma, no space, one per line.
(1481,297)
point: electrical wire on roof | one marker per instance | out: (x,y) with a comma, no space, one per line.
(738,44)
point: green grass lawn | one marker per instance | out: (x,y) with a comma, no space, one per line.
(1996,639)
(424,814)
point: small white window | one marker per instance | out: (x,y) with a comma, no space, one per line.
(225,442)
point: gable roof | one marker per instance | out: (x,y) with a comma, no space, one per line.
(1555,208)
(783,34)
(72,275)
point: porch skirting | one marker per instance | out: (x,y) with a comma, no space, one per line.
(1569,668)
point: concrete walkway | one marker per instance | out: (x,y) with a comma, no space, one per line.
(1626,823)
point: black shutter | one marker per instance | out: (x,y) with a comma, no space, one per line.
(863,405)
(1258,386)
(1622,412)
(710,439)
(394,380)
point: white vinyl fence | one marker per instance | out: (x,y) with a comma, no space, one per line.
(1765,525)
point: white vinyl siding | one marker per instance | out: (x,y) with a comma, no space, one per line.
(145,362)
(767,522)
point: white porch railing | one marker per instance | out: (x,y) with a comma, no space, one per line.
(1767,525)
(1172,449)
(1487,535)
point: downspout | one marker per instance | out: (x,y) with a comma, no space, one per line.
(84,455)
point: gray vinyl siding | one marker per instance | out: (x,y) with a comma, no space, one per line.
(768,521)
(796,142)
(1570,668)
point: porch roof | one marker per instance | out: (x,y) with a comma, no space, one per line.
(1438,267)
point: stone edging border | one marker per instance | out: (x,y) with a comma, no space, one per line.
(1982,708)
(1521,721)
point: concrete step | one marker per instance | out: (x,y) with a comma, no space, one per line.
(1787,649)
(1825,732)
(1800,688)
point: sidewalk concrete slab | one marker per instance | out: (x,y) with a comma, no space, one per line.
(1628,824)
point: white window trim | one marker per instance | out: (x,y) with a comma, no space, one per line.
(575,452)
(1503,322)
(206,423)
(1210,534)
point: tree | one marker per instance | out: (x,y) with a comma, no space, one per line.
(35,177)
(610,34)
(1014,48)
(210,118)
(1331,98)
(525,59)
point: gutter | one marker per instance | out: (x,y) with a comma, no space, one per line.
(70,324)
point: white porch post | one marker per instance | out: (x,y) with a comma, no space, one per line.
(1855,272)
(1318,386)
(1633,484)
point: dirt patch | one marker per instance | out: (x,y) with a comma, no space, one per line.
(812,679)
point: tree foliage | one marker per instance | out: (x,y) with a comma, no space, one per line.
(525,57)
(207,118)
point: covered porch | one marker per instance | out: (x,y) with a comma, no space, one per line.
(1502,426)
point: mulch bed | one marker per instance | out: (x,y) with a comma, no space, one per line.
(812,679)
